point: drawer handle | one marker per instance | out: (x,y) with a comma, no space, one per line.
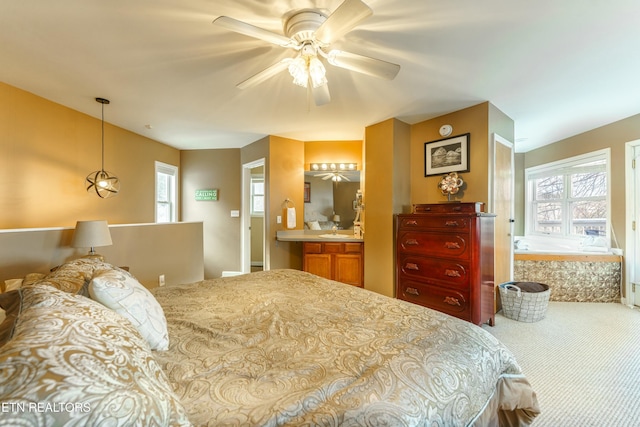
(412,291)
(452,273)
(451,224)
(451,245)
(412,222)
(411,266)
(452,301)
(411,242)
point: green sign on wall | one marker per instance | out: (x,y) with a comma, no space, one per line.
(207,195)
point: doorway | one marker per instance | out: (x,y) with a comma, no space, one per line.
(254,197)
(632,221)
(501,203)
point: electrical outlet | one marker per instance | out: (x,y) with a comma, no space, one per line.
(161,280)
(278,219)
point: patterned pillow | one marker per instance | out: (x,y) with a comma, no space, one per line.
(73,276)
(72,361)
(122,293)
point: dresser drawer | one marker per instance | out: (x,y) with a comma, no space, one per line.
(445,245)
(447,300)
(467,208)
(434,222)
(435,271)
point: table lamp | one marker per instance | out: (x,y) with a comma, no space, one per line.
(92,234)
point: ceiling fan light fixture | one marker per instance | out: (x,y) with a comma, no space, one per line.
(298,70)
(317,72)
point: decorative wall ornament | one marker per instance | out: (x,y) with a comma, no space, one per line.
(450,184)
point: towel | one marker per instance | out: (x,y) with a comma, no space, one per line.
(291,217)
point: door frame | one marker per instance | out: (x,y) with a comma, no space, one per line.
(245,231)
(631,213)
(497,139)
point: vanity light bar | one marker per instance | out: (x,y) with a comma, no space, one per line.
(333,166)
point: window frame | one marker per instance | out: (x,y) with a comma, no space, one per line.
(564,167)
(171,170)
(252,211)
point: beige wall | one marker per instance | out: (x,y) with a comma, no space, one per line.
(46,152)
(221,169)
(149,250)
(614,136)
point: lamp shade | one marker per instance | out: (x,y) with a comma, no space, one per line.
(91,234)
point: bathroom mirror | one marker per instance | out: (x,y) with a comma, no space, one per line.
(330,202)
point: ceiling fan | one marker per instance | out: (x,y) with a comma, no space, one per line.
(310,32)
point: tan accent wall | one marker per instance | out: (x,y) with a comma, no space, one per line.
(220,169)
(46,152)
(385,194)
(332,151)
(473,120)
(286,181)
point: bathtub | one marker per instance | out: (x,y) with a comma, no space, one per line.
(572,273)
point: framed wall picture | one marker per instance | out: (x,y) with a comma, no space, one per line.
(447,155)
(307,192)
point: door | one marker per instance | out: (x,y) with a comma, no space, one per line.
(502,204)
(253,230)
(632,259)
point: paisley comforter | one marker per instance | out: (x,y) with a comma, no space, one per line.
(287,348)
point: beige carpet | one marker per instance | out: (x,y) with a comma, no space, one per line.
(583,361)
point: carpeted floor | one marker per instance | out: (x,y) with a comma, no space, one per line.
(583,361)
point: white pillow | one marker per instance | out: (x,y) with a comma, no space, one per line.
(122,293)
(314,225)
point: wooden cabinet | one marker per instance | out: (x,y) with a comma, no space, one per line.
(340,261)
(444,259)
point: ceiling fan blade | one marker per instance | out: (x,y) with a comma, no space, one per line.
(253,31)
(265,74)
(349,14)
(321,95)
(363,64)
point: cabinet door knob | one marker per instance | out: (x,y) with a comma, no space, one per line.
(451,301)
(451,245)
(411,266)
(452,273)
(412,291)
(412,222)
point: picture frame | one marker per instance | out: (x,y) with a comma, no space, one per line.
(447,155)
(307,192)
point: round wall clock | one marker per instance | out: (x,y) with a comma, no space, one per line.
(445,130)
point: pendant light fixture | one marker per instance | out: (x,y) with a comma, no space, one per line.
(105,184)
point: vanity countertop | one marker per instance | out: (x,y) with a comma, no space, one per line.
(316,236)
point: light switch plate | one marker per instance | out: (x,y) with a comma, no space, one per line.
(235,213)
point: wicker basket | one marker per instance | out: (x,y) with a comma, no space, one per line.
(524,301)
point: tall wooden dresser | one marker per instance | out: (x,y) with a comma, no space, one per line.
(444,259)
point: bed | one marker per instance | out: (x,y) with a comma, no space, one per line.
(274,348)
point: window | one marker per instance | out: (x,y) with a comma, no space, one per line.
(257,195)
(166,192)
(569,198)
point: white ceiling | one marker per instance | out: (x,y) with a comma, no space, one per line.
(556,67)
